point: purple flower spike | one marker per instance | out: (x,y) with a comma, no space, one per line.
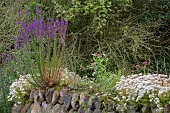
(24,36)
(137,66)
(19,13)
(50,20)
(27,13)
(57,23)
(62,27)
(37,11)
(42,32)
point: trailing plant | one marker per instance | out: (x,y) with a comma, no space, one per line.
(146,90)
(20,89)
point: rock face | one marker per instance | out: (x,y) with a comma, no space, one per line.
(166,108)
(49,95)
(55,98)
(146,109)
(16,108)
(36,108)
(65,101)
(92,101)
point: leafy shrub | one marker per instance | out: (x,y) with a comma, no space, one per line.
(99,67)
(104,80)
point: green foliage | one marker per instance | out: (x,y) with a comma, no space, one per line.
(102,75)
(31,8)
(7,77)
(156,14)
(97,10)
(99,68)
(153,10)
(4,104)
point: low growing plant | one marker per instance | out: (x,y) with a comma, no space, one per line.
(21,88)
(145,90)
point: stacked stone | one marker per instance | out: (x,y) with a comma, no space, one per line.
(65,101)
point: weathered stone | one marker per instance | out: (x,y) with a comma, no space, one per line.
(120,108)
(97,111)
(98,105)
(36,96)
(155,110)
(26,107)
(55,98)
(63,110)
(131,111)
(61,100)
(75,101)
(36,108)
(49,95)
(81,110)
(29,110)
(46,108)
(121,112)
(146,109)
(56,108)
(67,102)
(31,98)
(109,107)
(41,94)
(44,104)
(16,108)
(83,97)
(112,112)
(131,106)
(166,108)
(72,111)
(65,91)
(89,110)
(92,101)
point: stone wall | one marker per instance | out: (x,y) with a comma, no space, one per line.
(67,101)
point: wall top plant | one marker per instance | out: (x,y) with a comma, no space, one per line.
(40,47)
(146,90)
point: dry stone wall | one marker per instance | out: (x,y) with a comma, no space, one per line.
(67,101)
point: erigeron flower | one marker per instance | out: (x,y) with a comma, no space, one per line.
(19,88)
(123,97)
(136,87)
(125,105)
